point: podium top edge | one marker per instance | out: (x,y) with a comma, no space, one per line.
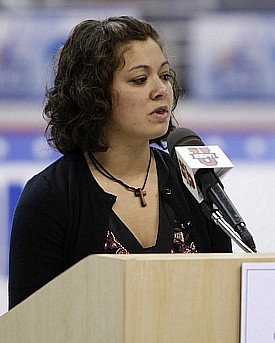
(178,257)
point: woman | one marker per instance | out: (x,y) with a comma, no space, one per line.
(110,192)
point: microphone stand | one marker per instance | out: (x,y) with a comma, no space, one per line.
(216,216)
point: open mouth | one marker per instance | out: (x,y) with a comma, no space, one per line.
(161,110)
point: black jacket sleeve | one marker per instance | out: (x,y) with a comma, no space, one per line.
(37,240)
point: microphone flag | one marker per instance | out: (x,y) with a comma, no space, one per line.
(193,158)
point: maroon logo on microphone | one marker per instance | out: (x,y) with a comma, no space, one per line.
(204,155)
(185,174)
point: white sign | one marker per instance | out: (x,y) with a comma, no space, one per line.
(258,303)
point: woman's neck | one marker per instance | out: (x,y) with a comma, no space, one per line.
(124,162)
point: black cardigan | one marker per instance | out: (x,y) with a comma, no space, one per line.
(63,216)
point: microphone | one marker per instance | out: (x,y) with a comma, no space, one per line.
(201,166)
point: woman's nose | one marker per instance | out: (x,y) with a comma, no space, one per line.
(159,89)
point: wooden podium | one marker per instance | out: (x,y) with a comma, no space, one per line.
(155,298)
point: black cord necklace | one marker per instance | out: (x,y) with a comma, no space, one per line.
(139,192)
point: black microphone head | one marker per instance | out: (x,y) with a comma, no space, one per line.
(182,136)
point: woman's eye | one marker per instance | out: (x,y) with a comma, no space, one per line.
(166,77)
(139,80)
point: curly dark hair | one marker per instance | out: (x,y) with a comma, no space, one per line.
(79,104)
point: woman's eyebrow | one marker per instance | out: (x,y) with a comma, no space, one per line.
(146,67)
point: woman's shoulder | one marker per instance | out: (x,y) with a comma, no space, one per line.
(70,162)
(165,161)
(58,173)
(162,155)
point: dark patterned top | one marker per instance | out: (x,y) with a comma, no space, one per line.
(173,237)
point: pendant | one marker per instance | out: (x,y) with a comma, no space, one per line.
(141,194)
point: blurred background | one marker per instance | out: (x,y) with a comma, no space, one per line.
(224,54)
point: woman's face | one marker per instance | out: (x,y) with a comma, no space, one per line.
(142,95)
